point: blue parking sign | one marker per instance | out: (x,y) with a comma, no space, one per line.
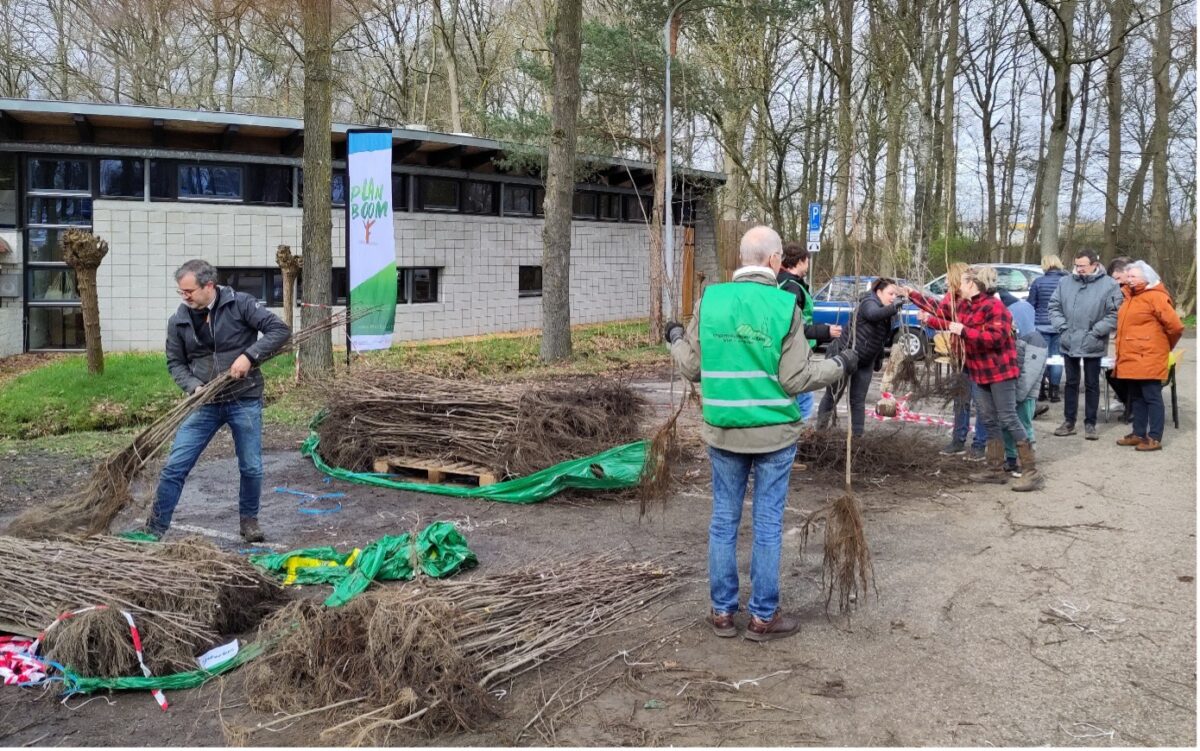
(814,217)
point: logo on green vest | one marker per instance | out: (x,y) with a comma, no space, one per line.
(746,332)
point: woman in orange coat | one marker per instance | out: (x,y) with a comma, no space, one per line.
(1148,328)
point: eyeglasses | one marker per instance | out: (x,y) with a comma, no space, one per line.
(1083,266)
(188,292)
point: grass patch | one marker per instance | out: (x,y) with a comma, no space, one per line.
(61,397)
(83,445)
(1190,321)
(58,396)
(597,348)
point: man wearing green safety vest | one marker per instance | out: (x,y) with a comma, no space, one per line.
(791,278)
(745,345)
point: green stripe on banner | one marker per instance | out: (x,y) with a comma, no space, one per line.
(379,293)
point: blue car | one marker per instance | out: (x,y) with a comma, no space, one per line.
(834,303)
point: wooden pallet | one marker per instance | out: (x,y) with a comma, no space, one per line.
(435,471)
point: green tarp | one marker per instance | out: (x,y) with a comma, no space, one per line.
(441,551)
(616,468)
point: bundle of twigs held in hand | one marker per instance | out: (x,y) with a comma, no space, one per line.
(509,429)
(425,656)
(92,509)
(182,595)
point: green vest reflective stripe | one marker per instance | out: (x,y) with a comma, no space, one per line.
(742,328)
(806,310)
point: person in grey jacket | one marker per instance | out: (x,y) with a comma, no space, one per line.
(1083,310)
(216,329)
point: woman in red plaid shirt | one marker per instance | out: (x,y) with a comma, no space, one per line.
(985,330)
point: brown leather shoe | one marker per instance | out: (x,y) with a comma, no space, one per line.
(1148,444)
(1130,440)
(722,624)
(780,626)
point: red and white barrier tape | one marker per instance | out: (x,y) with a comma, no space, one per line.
(904,414)
(133,632)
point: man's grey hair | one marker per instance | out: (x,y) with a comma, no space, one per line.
(203,271)
(758,245)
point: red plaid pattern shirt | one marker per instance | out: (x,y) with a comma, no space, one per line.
(988,340)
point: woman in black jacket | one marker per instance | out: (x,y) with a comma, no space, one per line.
(869,334)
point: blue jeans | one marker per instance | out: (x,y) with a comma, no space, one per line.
(730,473)
(804,403)
(1149,413)
(244,418)
(962,418)
(1053,372)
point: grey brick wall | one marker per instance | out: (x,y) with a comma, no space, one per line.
(479,258)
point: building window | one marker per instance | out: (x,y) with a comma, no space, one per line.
(583,206)
(399,192)
(44,245)
(55,328)
(416,285)
(439,194)
(518,200)
(161,179)
(479,198)
(638,208)
(210,181)
(337,189)
(529,281)
(269,184)
(59,211)
(52,285)
(539,201)
(59,175)
(610,207)
(122,178)
(263,284)
(8,190)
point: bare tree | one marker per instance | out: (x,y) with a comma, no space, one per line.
(316,354)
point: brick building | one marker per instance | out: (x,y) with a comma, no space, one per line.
(165,185)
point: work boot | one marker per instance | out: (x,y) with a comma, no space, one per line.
(722,624)
(1031,478)
(780,626)
(250,530)
(974,454)
(1055,396)
(954,448)
(995,474)
(1067,428)
(1130,440)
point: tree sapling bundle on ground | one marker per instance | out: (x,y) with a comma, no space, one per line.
(183,597)
(397,658)
(510,429)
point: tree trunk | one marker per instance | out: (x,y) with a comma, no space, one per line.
(560,183)
(1160,218)
(316,354)
(949,157)
(446,41)
(1113,85)
(843,55)
(1081,157)
(83,252)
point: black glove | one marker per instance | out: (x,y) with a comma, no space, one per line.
(673,332)
(848,359)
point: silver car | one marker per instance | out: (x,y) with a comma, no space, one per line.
(1014,277)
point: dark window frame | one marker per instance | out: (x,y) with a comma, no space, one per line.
(98,179)
(492,209)
(406,285)
(181,164)
(422,191)
(526,277)
(576,213)
(507,190)
(267,289)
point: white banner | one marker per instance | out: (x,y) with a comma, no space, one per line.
(371,239)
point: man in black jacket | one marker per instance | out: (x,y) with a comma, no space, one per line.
(791,279)
(217,329)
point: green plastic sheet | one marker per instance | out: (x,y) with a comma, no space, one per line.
(176,681)
(441,551)
(613,469)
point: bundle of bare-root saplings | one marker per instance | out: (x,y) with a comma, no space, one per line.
(184,597)
(510,429)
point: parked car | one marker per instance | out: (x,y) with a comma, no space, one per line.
(1014,277)
(835,302)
